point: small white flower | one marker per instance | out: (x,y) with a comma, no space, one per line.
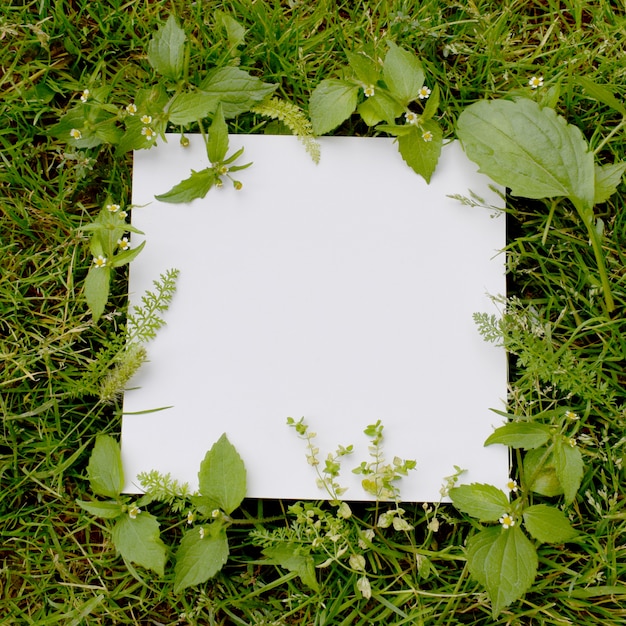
(571,416)
(427,136)
(123,243)
(535,82)
(131,109)
(148,133)
(75,133)
(411,117)
(369,91)
(113,208)
(201,532)
(85,95)
(191,516)
(507,521)
(572,442)
(99,261)
(423,93)
(122,215)
(512,485)
(133,512)
(146,119)
(215,513)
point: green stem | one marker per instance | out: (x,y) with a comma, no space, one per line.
(604,279)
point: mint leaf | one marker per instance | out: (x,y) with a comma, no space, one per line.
(420,154)
(288,555)
(222,475)
(504,562)
(202,554)
(525,435)
(235,89)
(607,178)
(138,541)
(485,502)
(530,149)
(97,284)
(569,466)
(547,524)
(106,476)
(403,74)
(332,102)
(218,137)
(196,186)
(166,50)
(107,510)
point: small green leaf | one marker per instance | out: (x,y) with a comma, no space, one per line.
(422,154)
(97,284)
(504,562)
(235,89)
(126,256)
(104,470)
(530,149)
(138,541)
(332,102)
(540,473)
(403,74)
(381,106)
(191,107)
(235,32)
(288,555)
(218,137)
(569,466)
(525,435)
(547,524)
(364,68)
(607,179)
(485,502)
(432,104)
(107,510)
(222,475)
(601,94)
(166,50)
(196,186)
(201,555)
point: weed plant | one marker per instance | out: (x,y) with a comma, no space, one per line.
(58,565)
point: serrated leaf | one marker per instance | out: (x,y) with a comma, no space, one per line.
(97,283)
(138,541)
(106,510)
(569,466)
(166,50)
(364,68)
(547,524)
(332,102)
(218,137)
(525,435)
(196,186)
(235,89)
(222,475)
(105,472)
(530,149)
(381,106)
(419,154)
(287,555)
(607,179)
(601,94)
(200,557)
(403,74)
(484,502)
(505,562)
(191,107)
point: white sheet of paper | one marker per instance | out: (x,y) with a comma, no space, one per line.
(342,292)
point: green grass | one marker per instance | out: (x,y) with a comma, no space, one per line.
(57,563)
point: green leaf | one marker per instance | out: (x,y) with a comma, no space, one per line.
(332,102)
(569,466)
(381,106)
(540,473)
(403,74)
(485,502)
(601,94)
(222,475)
(166,50)
(547,524)
(525,435)
(196,186)
(107,510)
(97,284)
(191,107)
(126,256)
(504,562)
(106,476)
(421,155)
(530,149)
(200,557)
(432,104)
(138,541)
(364,68)
(235,32)
(288,555)
(235,89)
(218,137)
(607,179)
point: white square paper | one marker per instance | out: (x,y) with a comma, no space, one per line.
(342,292)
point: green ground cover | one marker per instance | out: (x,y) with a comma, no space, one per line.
(58,562)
